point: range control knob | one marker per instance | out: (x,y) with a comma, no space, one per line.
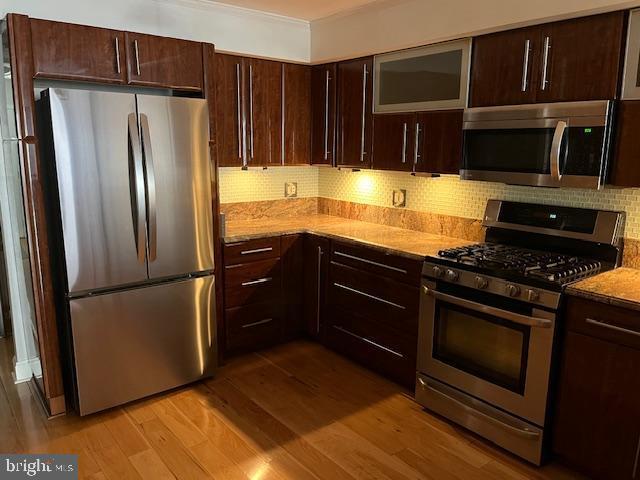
(481,283)
(533,295)
(438,272)
(513,290)
(452,276)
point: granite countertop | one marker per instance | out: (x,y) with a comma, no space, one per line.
(410,243)
(620,287)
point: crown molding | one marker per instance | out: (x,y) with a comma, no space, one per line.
(243,12)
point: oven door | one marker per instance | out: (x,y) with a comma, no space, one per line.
(493,348)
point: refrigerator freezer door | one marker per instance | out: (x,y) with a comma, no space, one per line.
(175,138)
(96,174)
(135,343)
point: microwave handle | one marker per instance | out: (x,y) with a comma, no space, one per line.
(556,146)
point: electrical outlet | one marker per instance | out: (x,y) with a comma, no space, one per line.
(399,198)
(290,189)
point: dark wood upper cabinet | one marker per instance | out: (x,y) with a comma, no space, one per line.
(262,108)
(572,60)
(626,163)
(597,422)
(584,58)
(394,141)
(164,62)
(440,142)
(296,81)
(504,66)
(77,52)
(323,114)
(228,86)
(354,120)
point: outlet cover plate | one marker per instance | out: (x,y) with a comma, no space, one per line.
(399,199)
(290,189)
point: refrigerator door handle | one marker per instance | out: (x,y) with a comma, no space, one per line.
(151,187)
(137,189)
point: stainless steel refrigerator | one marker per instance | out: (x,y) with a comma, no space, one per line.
(132,187)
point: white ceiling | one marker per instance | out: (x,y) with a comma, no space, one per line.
(301,9)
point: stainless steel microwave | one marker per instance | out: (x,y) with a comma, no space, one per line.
(542,145)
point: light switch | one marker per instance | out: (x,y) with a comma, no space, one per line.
(290,189)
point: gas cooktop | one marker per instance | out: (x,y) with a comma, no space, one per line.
(502,260)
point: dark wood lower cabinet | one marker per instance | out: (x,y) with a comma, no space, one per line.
(597,421)
(359,301)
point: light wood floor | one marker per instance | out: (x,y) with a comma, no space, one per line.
(294,412)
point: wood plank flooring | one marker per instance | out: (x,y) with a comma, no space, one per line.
(297,411)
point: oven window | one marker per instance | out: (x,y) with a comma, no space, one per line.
(482,345)
(504,150)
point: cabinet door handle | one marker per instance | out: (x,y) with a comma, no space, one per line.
(283,147)
(525,65)
(612,327)
(260,322)
(365,73)
(326,116)
(256,250)
(137,53)
(404,143)
(370,342)
(416,146)
(370,262)
(118,69)
(320,253)
(239,100)
(251,111)
(256,282)
(368,295)
(635,463)
(545,63)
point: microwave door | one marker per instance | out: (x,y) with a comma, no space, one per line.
(515,152)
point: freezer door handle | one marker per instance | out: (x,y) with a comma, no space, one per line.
(137,189)
(151,187)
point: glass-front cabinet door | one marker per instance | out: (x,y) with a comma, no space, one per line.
(434,77)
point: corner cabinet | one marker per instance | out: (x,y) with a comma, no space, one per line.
(323,114)
(572,60)
(354,113)
(296,113)
(597,422)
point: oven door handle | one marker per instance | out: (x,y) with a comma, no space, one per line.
(472,411)
(497,312)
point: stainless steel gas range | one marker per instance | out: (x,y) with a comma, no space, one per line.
(489,316)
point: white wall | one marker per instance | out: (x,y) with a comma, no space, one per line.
(229,28)
(395,24)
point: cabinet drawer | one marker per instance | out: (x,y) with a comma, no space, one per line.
(254,325)
(373,345)
(376,298)
(251,250)
(252,282)
(608,322)
(392,266)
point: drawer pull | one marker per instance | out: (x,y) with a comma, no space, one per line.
(370,342)
(257,282)
(372,297)
(612,327)
(257,250)
(371,262)
(255,324)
